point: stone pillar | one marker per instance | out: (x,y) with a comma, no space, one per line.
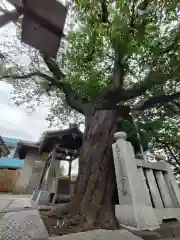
(172,185)
(167,199)
(133,209)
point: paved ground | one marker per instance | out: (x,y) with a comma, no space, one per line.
(20,219)
(14,196)
(167,231)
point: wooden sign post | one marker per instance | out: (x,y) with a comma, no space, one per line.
(43,24)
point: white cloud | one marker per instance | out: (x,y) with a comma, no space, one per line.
(16,122)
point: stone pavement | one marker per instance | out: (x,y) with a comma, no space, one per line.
(100,234)
(20,220)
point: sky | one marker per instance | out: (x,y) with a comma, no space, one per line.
(15,121)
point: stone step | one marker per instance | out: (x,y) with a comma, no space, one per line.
(100,234)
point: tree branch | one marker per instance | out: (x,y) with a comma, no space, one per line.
(162,99)
(16,76)
(74,99)
(118,71)
(105,15)
(172,154)
(166,145)
(117,94)
(118,68)
(53,67)
(176,104)
(133,17)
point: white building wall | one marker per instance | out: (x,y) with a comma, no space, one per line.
(30,173)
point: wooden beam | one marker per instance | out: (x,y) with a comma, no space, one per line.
(22,7)
(8,17)
(67,151)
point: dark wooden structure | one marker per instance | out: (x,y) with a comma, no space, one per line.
(4,151)
(42,20)
(63,145)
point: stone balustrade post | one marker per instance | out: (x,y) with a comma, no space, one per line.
(172,185)
(133,209)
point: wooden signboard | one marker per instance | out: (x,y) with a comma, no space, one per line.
(43,24)
(45,39)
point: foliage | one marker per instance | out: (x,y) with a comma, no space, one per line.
(130,129)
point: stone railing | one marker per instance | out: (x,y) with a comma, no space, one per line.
(147,191)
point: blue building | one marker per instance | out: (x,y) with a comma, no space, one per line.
(10,159)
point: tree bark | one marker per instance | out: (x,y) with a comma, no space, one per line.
(95,191)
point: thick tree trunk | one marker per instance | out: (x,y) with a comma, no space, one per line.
(94,197)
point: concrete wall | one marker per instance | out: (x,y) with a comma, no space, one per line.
(35,177)
(30,174)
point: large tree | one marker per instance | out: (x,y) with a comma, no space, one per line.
(121,59)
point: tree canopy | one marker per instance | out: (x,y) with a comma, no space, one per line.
(121,54)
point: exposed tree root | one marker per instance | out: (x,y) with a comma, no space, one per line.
(92,206)
(67,223)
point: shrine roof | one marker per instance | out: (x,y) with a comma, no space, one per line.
(70,138)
